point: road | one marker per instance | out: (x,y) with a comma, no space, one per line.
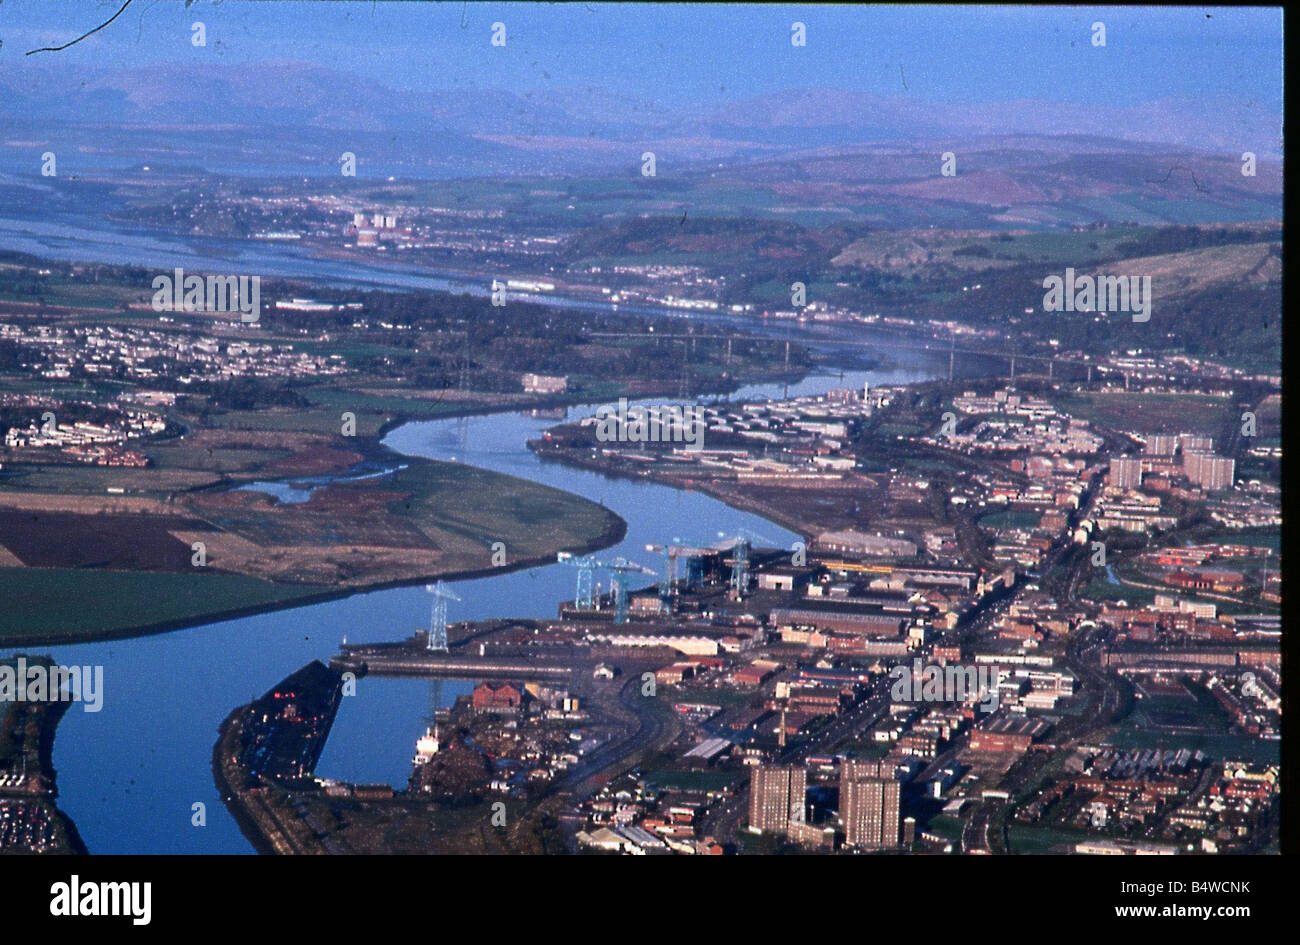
(651,725)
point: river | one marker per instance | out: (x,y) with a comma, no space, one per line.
(78,236)
(130,774)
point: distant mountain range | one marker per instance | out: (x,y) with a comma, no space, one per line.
(813,156)
(495,131)
(1222,125)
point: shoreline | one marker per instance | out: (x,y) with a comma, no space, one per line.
(374,448)
(611,536)
(51,713)
(726,497)
(234,800)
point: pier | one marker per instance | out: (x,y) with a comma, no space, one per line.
(416,661)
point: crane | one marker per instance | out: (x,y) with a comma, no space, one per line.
(620,574)
(620,571)
(671,554)
(740,543)
(583,598)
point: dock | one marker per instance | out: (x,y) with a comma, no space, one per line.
(389,660)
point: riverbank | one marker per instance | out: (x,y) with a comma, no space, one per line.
(40,586)
(31,815)
(612,535)
(240,585)
(728,492)
(287,729)
(235,800)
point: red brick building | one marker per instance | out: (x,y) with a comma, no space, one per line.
(497,696)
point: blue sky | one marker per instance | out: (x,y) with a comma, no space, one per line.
(677,54)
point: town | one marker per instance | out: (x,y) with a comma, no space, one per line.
(748,699)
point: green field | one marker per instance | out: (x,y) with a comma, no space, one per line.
(1223,747)
(43,601)
(870,750)
(947,827)
(1100,589)
(463,509)
(1152,413)
(689,780)
(1009,519)
(1025,839)
(481,506)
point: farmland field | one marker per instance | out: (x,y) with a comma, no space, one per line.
(421,521)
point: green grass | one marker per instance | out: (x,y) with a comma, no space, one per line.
(361,404)
(690,780)
(870,750)
(318,419)
(96,480)
(484,507)
(1009,519)
(463,508)
(1151,413)
(947,827)
(1222,747)
(66,602)
(1039,840)
(1100,589)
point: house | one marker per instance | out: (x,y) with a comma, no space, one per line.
(602,839)
(496,697)
(674,674)
(784,578)
(544,384)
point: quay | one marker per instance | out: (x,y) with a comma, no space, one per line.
(388,660)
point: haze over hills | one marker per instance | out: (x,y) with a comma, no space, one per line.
(1225,124)
(509,130)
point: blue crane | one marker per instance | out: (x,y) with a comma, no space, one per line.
(740,544)
(620,570)
(693,553)
(620,575)
(583,598)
